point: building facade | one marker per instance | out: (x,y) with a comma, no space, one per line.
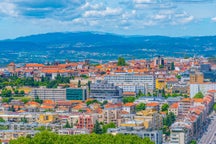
(145,83)
(102,90)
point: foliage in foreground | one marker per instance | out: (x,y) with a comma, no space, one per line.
(46,137)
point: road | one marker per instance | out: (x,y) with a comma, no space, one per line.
(209,137)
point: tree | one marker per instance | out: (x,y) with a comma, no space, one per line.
(97,128)
(140,94)
(172,66)
(199,95)
(121,61)
(6,93)
(42,128)
(107,126)
(178,77)
(67,125)
(193,142)
(140,106)
(91,102)
(1,119)
(165,107)
(128,99)
(22,92)
(16,91)
(161,66)
(214,107)
(79,83)
(24,120)
(46,137)
(38,100)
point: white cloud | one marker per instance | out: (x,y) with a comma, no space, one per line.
(9,9)
(143,1)
(213,19)
(107,12)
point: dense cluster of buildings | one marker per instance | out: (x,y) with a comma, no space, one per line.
(171,81)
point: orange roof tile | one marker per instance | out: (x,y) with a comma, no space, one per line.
(198,100)
(34,65)
(47,107)
(129,104)
(174,105)
(152,104)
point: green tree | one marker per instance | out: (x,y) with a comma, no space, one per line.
(178,77)
(46,137)
(16,91)
(121,61)
(193,142)
(22,92)
(42,128)
(67,125)
(214,107)
(38,100)
(97,128)
(140,106)
(199,95)
(161,66)
(6,93)
(1,119)
(24,120)
(107,126)
(165,107)
(79,83)
(140,94)
(128,99)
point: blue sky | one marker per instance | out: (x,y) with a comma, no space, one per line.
(128,17)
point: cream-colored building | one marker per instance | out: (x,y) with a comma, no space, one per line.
(150,119)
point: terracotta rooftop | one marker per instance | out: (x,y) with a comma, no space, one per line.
(129,104)
(34,65)
(152,104)
(174,105)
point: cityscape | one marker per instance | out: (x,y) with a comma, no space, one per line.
(108,72)
(168,100)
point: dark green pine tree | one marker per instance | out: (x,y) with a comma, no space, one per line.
(67,125)
(79,84)
(97,128)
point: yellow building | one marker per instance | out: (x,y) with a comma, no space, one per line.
(160,84)
(48,118)
(150,119)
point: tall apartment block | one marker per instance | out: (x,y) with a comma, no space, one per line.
(133,82)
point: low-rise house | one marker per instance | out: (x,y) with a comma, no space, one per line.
(129,107)
(174,109)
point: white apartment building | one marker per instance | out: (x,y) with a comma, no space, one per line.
(180,133)
(55,94)
(204,88)
(133,82)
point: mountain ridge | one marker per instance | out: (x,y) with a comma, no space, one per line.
(95,45)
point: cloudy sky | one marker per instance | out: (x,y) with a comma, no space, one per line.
(128,17)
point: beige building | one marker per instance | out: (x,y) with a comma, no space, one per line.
(110,115)
(150,119)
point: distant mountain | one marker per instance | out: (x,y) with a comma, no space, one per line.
(101,46)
